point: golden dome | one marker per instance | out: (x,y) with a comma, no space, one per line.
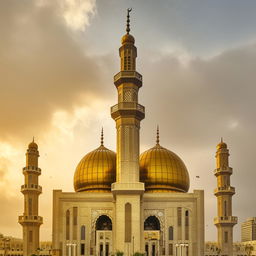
(33,145)
(96,171)
(163,171)
(222,144)
(128,39)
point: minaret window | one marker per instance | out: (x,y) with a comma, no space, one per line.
(225,208)
(226,237)
(30,238)
(29,178)
(30,206)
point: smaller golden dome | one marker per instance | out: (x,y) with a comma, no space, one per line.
(33,145)
(222,145)
(128,39)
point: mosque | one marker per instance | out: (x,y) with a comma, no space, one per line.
(126,201)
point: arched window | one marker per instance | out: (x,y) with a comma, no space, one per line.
(179,222)
(75,214)
(171,233)
(67,224)
(152,223)
(83,232)
(187,225)
(128,222)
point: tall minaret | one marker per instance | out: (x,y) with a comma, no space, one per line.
(127,115)
(30,220)
(224,192)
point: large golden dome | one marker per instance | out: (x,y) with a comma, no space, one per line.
(96,171)
(163,171)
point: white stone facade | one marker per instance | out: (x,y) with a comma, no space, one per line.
(164,206)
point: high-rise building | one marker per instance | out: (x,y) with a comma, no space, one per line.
(224,192)
(30,220)
(248,230)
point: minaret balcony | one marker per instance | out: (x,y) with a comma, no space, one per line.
(224,190)
(128,109)
(23,219)
(31,188)
(223,170)
(228,220)
(32,169)
(128,77)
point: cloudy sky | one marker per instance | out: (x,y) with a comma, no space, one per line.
(57,61)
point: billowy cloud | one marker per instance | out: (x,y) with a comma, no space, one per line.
(54,88)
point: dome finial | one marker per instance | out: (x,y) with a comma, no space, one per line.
(221,140)
(128,20)
(102,137)
(33,139)
(157,135)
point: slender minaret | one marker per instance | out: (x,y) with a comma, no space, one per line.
(30,220)
(224,192)
(127,115)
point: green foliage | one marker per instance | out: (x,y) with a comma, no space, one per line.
(119,253)
(138,254)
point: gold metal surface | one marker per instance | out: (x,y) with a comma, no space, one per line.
(128,39)
(163,171)
(96,171)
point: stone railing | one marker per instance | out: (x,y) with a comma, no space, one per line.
(31,187)
(128,74)
(30,218)
(32,169)
(225,219)
(128,106)
(227,189)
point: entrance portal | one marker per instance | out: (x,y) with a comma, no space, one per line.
(152,236)
(103,236)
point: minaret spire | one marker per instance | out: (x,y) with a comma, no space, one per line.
(157,135)
(128,20)
(102,137)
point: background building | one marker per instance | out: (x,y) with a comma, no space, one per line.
(11,246)
(248,230)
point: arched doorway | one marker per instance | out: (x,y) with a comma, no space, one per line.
(103,234)
(152,236)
